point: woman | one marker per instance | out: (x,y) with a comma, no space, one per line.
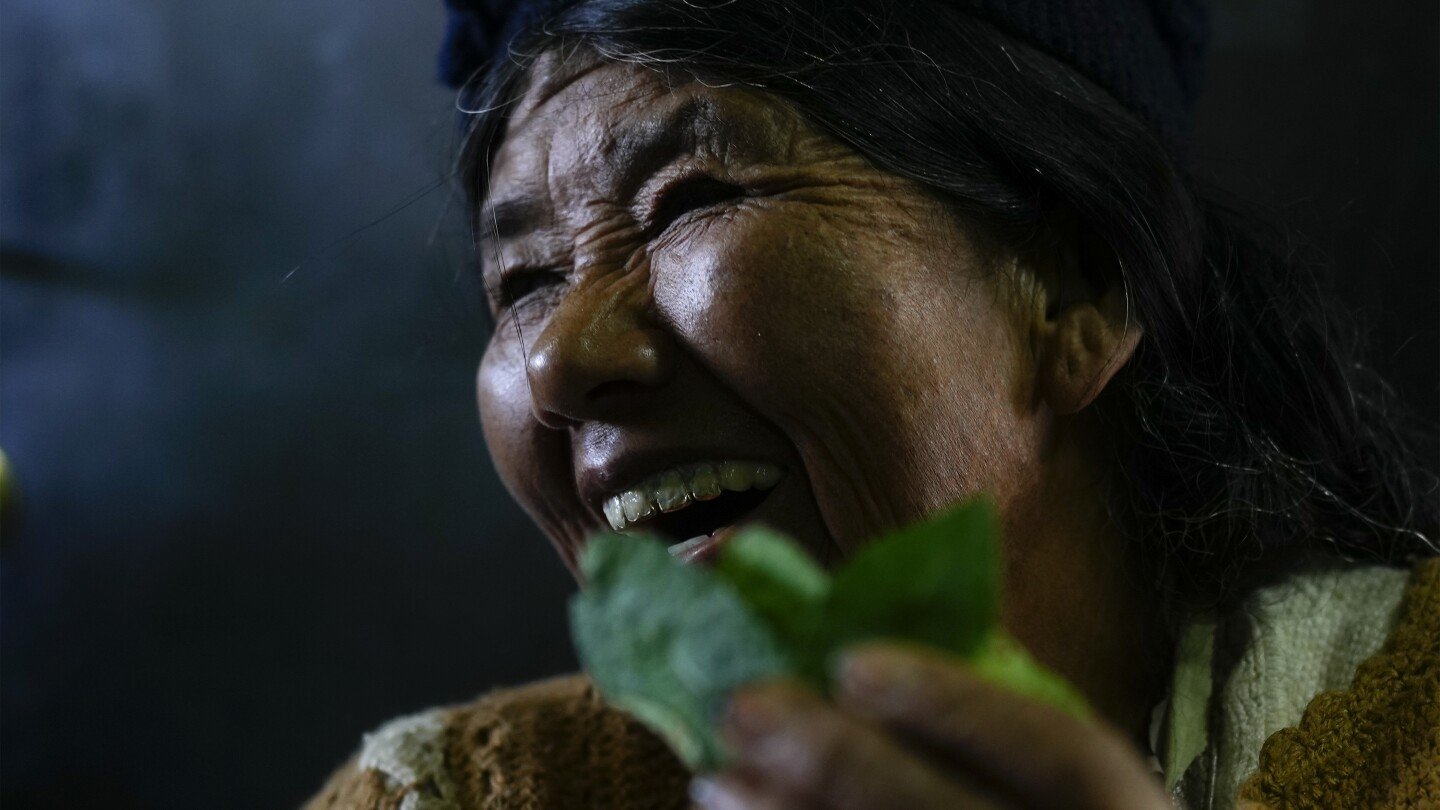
(861,260)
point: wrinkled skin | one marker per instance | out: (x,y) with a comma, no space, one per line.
(700,274)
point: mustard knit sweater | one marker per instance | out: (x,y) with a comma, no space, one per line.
(554,744)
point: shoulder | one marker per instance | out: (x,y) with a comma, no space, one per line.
(552,743)
(1305,636)
(1376,742)
(1334,697)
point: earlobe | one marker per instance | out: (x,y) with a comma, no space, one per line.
(1082,348)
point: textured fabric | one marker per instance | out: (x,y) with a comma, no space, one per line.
(356,788)
(551,744)
(1187,703)
(1302,636)
(410,754)
(1148,53)
(1376,744)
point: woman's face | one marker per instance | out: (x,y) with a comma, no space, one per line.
(696,292)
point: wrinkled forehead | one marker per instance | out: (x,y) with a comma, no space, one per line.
(566,74)
(573,100)
(579,112)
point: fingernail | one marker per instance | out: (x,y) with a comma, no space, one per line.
(714,794)
(873,672)
(703,791)
(853,674)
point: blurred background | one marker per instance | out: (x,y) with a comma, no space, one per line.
(237,341)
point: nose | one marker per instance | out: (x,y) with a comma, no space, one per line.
(599,354)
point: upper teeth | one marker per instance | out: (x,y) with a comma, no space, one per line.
(678,487)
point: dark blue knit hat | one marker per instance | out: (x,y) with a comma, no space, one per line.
(1147,53)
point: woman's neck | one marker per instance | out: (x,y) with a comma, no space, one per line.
(1071,595)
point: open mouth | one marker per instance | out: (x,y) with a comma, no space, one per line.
(706,517)
(687,505)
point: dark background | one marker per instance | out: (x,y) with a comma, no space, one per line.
(256,514)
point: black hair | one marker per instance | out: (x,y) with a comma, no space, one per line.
(1247,437)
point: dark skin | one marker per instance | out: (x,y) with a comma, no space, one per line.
(687,272)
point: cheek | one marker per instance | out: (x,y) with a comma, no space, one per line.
(533,462)
(756,291)
(884,355)
(793,303)
(521,448)
(504,412)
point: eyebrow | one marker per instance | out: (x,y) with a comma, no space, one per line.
(640,150)
(513,217)
(637,150)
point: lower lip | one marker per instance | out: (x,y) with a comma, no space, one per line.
(702,550)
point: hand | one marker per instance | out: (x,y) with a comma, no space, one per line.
(914,729)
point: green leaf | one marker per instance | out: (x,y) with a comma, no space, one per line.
(668,642)
(935,583)
(1002,661)
(782,585)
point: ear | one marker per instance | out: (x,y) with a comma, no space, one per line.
(1084,330)
(1081,347)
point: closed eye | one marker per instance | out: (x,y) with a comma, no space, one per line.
(690,194)
(519,283)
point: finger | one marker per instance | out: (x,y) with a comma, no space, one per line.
(791,744)
(1040,753)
